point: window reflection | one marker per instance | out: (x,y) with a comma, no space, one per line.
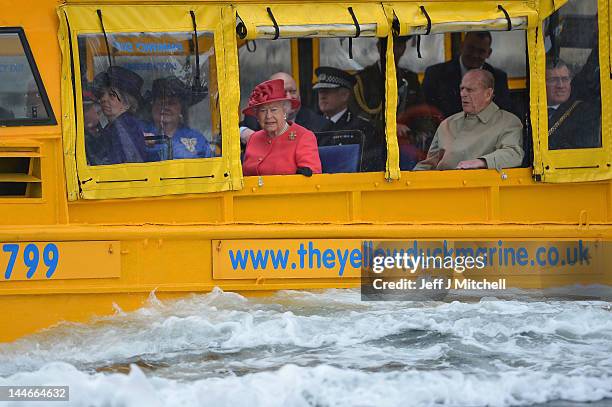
(149,101)
(572,77)
(481,121)
(20,96)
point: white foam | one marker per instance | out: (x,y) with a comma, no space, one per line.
(326,348)
(292,385)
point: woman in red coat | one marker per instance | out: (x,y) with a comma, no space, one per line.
(281,147)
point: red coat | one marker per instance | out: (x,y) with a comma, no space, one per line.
(281,155)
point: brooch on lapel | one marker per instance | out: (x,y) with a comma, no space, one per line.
(190,144)
(292,136)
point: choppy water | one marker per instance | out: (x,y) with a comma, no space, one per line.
(326,349)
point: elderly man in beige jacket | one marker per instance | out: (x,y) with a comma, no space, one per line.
(482,136)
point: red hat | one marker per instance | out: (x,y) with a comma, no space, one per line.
(267,92)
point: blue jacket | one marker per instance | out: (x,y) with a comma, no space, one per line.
(186,143)
(121,141)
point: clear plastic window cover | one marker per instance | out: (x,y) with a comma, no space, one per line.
(355,142)
(334,52)
(316,30)
(499,24)
(150,104)
(413,104)
(573,77)
(20,97)
(509,53)
(258,60)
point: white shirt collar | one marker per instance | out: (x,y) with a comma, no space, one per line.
(337,116)
(554,106)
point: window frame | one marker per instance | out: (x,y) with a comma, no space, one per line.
(50,120)
(257,26)
(411,22)
(575,165)
(145,179)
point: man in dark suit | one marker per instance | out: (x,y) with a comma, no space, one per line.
(369,91)
(304,116)
(572,122)
(334,93)
(441,83)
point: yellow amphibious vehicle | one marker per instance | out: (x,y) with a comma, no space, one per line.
(80,237)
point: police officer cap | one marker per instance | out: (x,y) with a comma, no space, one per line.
(329,78)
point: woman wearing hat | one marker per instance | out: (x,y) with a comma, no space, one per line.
(171,99)
(118,93)
(281,147)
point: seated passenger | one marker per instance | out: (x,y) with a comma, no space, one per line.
(416,122)
(572,123)
(282,147)
(303,116)
(118,92)
(334,92)
(441,82)
(481,136)
(94,142)
(171,99)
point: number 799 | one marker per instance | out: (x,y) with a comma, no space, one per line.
(31,258)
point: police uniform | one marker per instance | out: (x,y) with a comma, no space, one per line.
(374,154)
(370,92)
(374,151)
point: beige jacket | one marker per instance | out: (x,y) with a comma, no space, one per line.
(494,135)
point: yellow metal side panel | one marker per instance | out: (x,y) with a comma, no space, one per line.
(184,209)
(324,207)
(44,210)
(75,260)
(558,203)
(297,266)
(44,311)
(429,205)
(172,262)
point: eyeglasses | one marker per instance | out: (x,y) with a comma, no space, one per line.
(265,110)
(555,80)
